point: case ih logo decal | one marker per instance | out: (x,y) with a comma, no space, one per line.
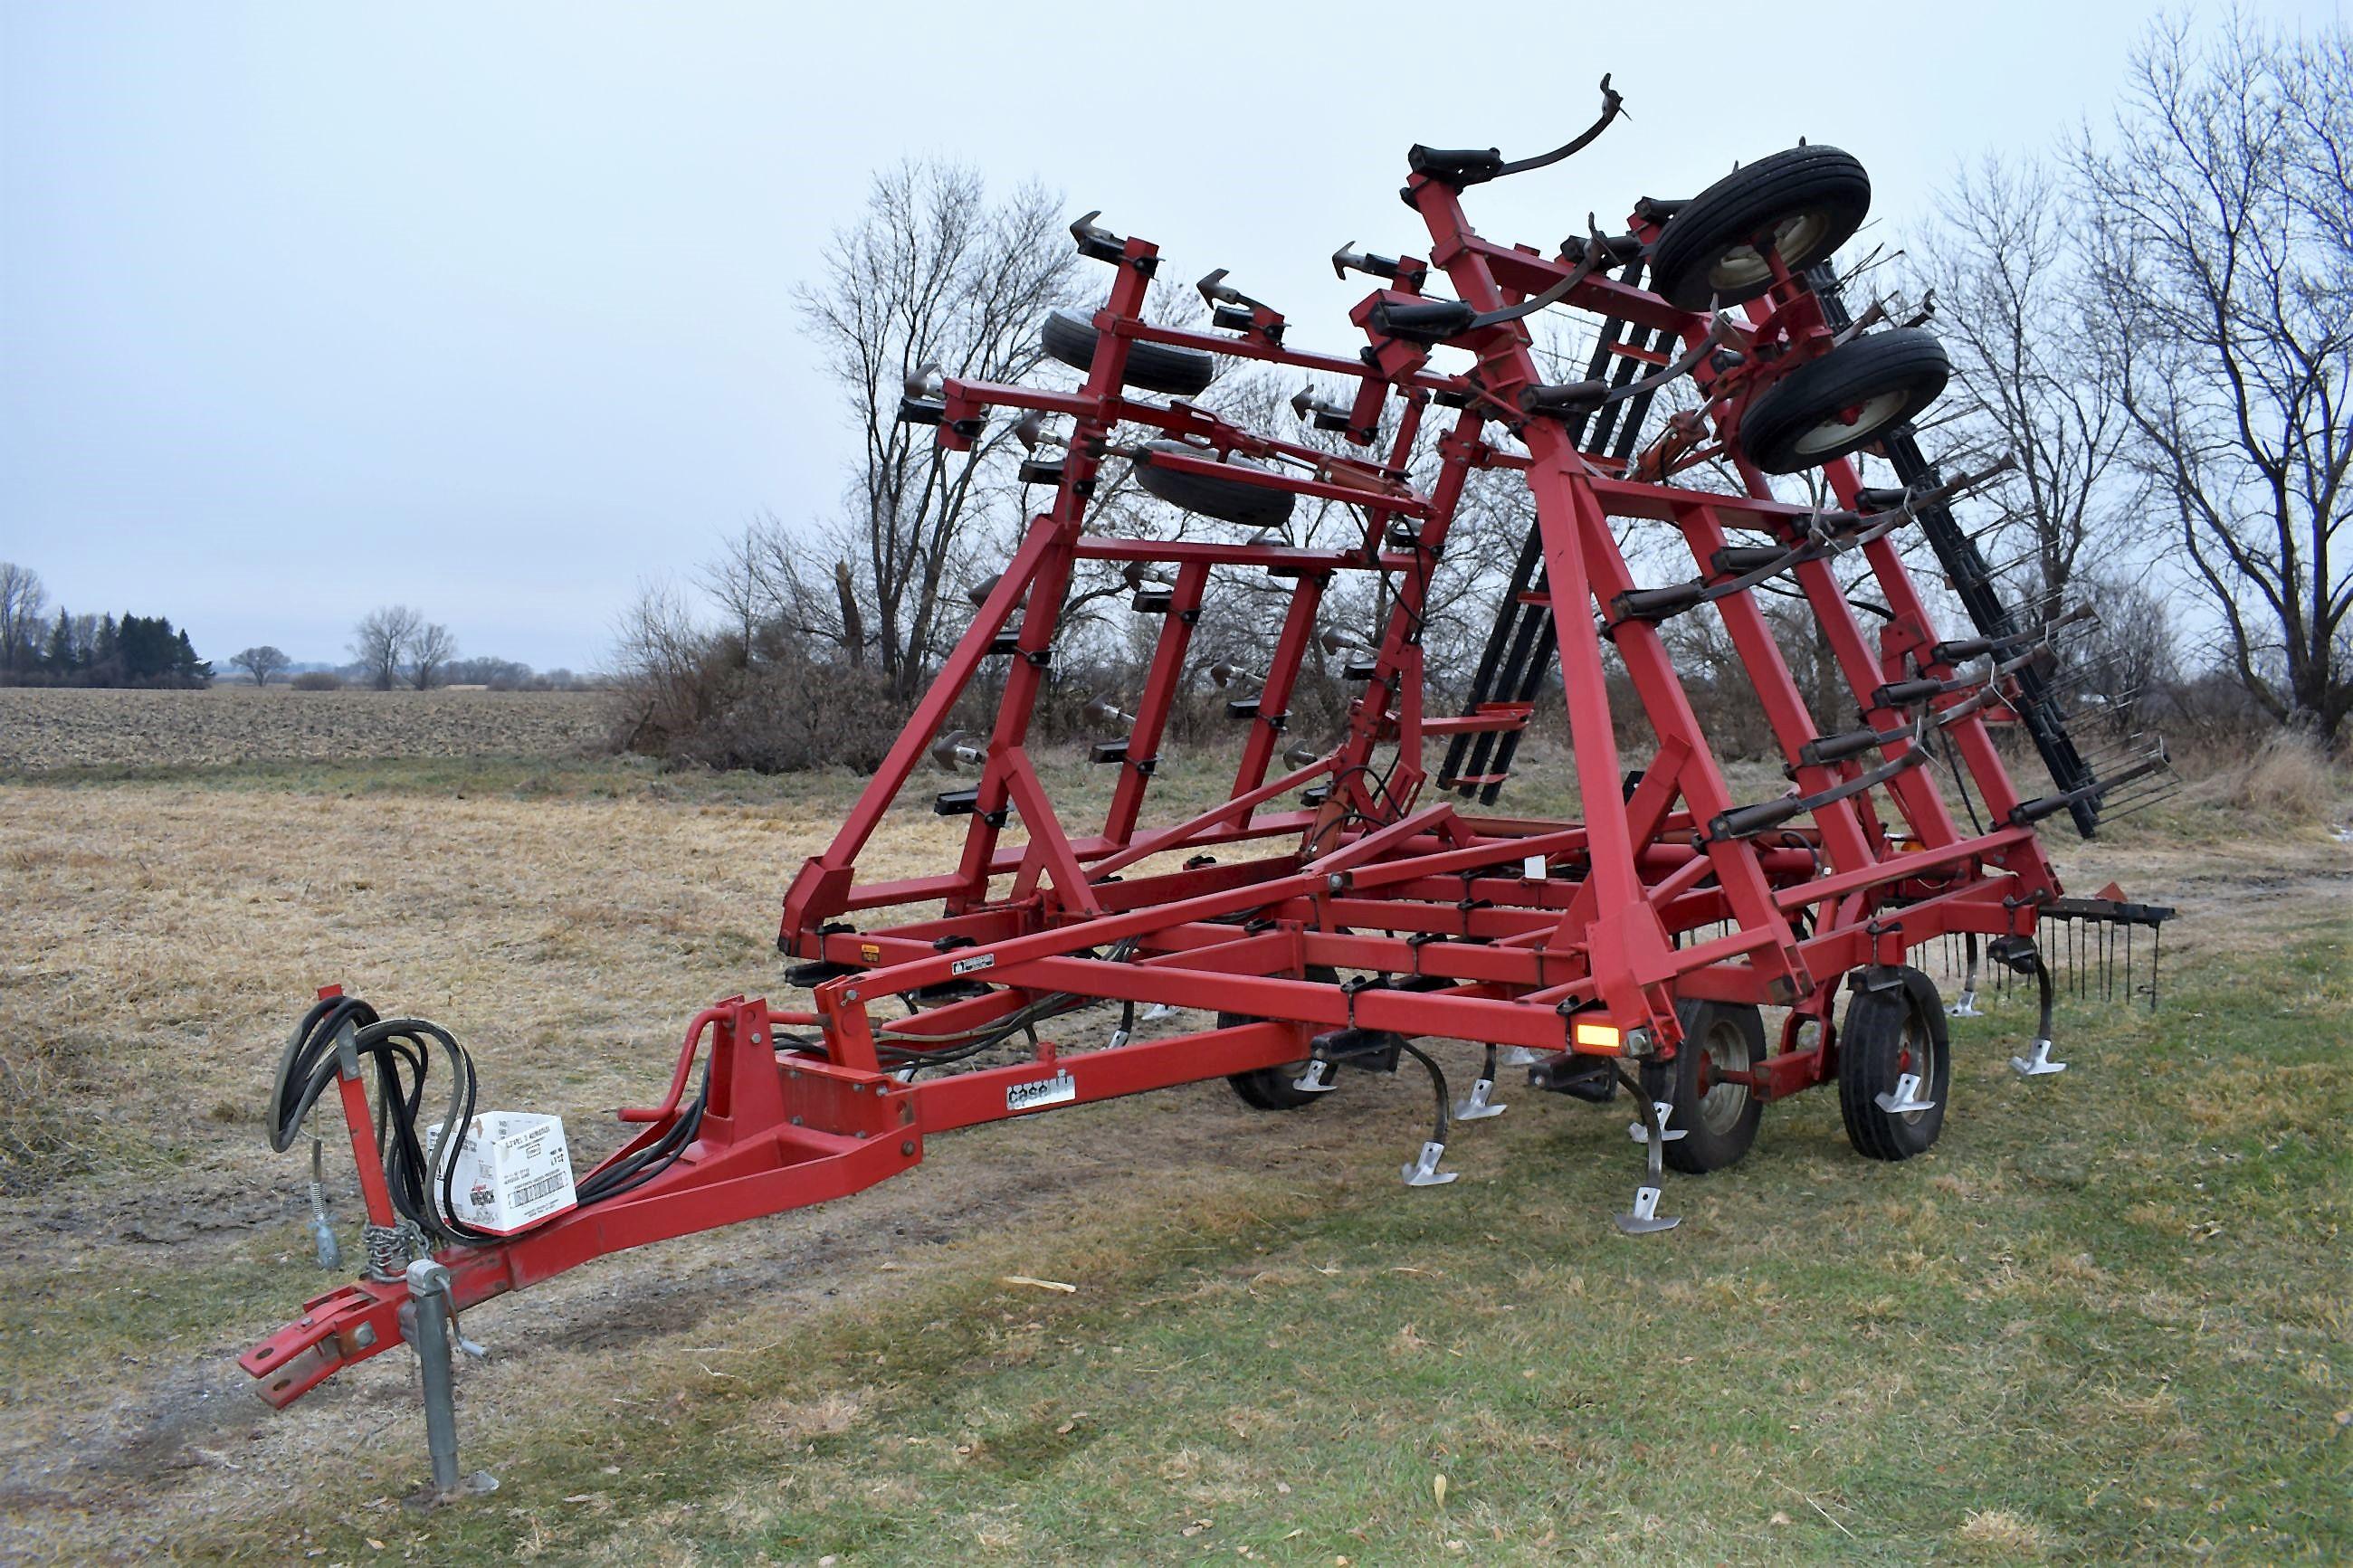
(1056,1090)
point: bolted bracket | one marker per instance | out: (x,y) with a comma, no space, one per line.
(1423,1172)
(1480,1103)
(1905,1099)
(2038,1063)
(1645,1217)
(1640,1132)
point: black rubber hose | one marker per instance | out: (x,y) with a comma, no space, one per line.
(401,1050)
(1437,1087)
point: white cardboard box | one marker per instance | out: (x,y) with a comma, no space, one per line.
(512,1171)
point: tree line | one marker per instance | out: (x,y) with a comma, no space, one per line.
(395,646)
(2156,319)
(68,649)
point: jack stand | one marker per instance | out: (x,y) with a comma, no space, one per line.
(1479,1104)
(1316,1079)
(1424,1172)
(2038,1063)
(1966,1006)
(1905,1099)
(424,1322)
(1639,1131)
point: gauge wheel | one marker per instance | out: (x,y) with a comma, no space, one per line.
(1843,401)
(1213,495)
(1068,336)
(1275,1087)
(1718,1118)
(1890,1033)
(1804,203)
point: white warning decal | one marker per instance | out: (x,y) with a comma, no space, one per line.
(977,961)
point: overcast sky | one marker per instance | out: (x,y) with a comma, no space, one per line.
(486,307)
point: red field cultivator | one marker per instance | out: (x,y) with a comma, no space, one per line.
(1369,897)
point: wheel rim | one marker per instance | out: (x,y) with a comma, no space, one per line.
(1869,417)
(1745,267)
(1918,1055)
(1725,1049)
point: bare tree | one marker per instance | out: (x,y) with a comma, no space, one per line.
(380,643)
(264,663)
(430,648)
(2223,252)
(23,604)
(934,273)
(2009,284)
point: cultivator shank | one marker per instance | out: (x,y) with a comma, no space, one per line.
(1351,896)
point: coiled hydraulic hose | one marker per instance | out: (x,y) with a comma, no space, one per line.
(422,1190)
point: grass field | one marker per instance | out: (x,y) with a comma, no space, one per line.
(2106,1320)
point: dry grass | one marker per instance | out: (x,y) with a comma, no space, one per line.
(53,728)
(166,937)
(161,941)
(2290,779)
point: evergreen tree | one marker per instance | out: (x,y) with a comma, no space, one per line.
(59,659)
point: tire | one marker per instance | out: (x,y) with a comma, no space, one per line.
(1887,1035)
(1810,199)
(1803,420)
(1227,501)
(1719,1120)
(1069,337)
(1272,1089)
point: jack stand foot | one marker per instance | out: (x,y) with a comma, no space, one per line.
(1316,1079)
(1479,1104)
(1905,1099)
(1639,1131)
(1645,1218)
(1520,1056)
(1964,1006)
(2038,1063)
(482,1483)
(1424,1172)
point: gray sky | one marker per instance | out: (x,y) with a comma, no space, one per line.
(306,309)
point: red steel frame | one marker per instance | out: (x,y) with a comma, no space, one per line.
(1372,879)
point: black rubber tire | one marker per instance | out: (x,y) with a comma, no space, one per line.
(1227,501)
(1070,336)
(1883,1031)
(1814,197)
(1887,376)
(1718,1135)
(1272,1089)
